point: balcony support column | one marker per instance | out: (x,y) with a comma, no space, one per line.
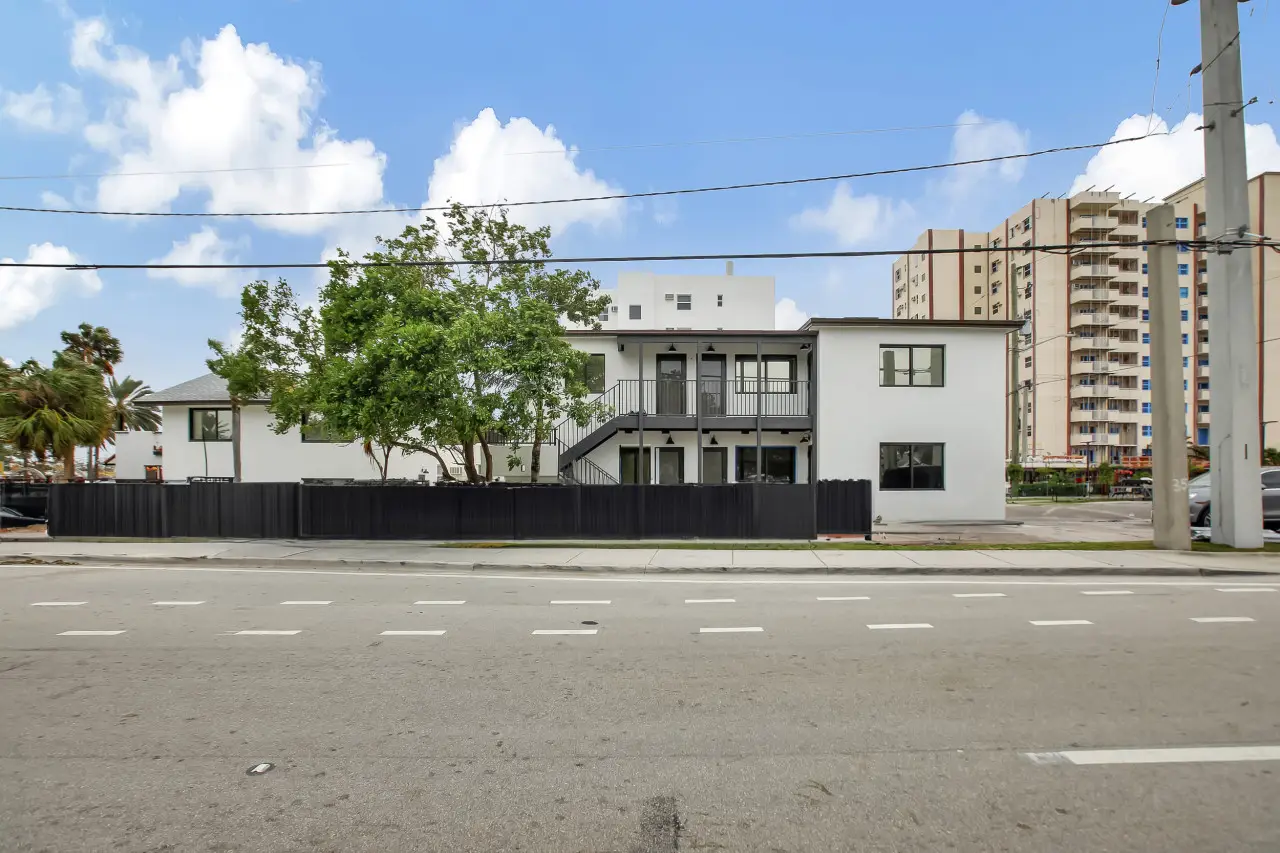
(759,406)
(697,400)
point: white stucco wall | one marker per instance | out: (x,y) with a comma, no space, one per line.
(267,457)
(606,455)
(966,415)
(134,450)
(718,301)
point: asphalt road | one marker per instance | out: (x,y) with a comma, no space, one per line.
(817,732)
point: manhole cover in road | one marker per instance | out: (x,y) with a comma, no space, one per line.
(259,769)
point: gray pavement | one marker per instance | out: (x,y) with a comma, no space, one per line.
(642,558)
(818,732)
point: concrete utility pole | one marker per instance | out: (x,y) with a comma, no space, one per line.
(1235,453)
(1168,399)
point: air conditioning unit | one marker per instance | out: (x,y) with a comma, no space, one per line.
(613,308)
(670,297)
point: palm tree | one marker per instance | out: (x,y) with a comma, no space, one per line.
(126,414)
(95,345)
(56,409)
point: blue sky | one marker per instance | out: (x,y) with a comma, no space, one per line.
(393,88)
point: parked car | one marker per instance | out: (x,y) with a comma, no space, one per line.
(13,518)
(1198,499)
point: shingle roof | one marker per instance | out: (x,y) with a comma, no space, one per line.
(204,389)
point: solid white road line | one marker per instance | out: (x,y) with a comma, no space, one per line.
(1168,755)
(710,601)
(306,602)
(571,632)
(57,603)
(730,630)
(266,633)
(89,633)
(1222,619)
(1245,589)
(1106,592)
(176,603)
(844,598)
(439,602)
(891,625)
(571,601)
(978,595)
(413,633)
(1046,623)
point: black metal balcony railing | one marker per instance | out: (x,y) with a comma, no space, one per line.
(710,398)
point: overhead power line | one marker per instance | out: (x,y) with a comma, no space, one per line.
(1059,248)
(611,197)
(171,172)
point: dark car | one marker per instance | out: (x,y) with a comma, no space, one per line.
(13,518)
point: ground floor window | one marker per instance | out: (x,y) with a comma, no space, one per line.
(779,465)
(670,465)
(911,466)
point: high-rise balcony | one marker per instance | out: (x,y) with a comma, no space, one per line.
(1090,294)
(1092,271)
(1089,222)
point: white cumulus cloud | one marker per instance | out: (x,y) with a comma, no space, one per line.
(1159,165)
(26,291)
(853,219)
(787,315)
(978,138)
(205,247)
(53,111)
(228,105)
(490,163)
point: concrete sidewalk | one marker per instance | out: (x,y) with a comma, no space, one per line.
(643,558)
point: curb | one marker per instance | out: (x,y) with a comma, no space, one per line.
(55,561)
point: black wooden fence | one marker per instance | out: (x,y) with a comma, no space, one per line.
(499,511)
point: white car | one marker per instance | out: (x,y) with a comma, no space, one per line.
(1198,499)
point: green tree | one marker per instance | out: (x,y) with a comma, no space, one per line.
(95,345)
(247,380)
(126,414)
(53,409)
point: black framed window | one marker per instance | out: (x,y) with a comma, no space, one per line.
(911,466)
(633,312)
(908,366)
(779,465)
(314,430)
(628,457)
(779,374)
(209,425)
(593,373)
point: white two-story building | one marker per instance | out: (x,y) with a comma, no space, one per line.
(695,385)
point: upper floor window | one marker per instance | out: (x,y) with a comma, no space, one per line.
(313,429)
(906,366)
(633,312)
(593,373)
(209,425)
(1184,269)
(684,302)
(779,374)
(719,300)
(1180,222)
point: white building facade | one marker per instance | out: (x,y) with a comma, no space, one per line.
(700,388)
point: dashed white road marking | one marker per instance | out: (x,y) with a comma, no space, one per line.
(844,598)
(1167,755)
(89,633)
(978,595)
(1106,592)
(755,630)
(1048,623)
(266,633)
(57,603)
(579,601)
(570,632)
(1222,619)
(889,626)
(176,603)
(306,602)
(711,601)
(1245,589)
(440,602)
(413,633)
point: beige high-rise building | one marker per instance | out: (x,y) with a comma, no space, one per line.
(1078,376)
